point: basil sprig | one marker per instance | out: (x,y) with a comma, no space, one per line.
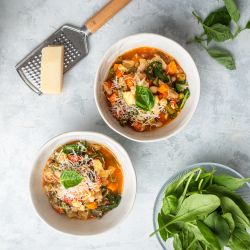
(70,178)
(216,27)
(144,98)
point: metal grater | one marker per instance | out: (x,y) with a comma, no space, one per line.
(75,41)
(75,44)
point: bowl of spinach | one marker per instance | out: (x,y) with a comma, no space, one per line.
(205,206)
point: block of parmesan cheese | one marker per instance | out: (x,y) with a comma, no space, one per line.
(52,69)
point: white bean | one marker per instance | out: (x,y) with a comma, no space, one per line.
(154,89)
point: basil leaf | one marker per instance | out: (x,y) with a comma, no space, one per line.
(230,182)
(229,206)
(209,235)
(219,226)
(223,57)
(248,25)
(169,205)
(220,15)
(240,240)
(144,98)
(70,178)
(196,206)
(232,10)
(218,32)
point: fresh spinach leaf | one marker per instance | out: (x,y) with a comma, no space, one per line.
(219,226)
(177,186)
(163,233)
(182,197)
(70,178)
(177,242)
(229,206)
(113,202)
(223,191)
(218,32)
(169,204)
(230,182)
(189,240)
(209,235)
(144,98)
(220,15)
(232,10)
(240,240)
(230,221)
(223,57)
(195,206)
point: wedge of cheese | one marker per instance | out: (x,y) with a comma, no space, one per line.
(52,69)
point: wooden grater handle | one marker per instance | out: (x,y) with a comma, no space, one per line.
(103,15)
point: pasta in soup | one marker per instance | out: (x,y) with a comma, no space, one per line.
(146,88)
(83,180)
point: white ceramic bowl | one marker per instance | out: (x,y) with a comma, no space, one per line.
(74,226)
(183,58)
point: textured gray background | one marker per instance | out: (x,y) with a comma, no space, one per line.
(219,130)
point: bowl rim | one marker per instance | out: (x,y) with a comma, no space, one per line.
(189,167)
(61,135)
(193,108)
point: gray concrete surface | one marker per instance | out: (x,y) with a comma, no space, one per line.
(218,132)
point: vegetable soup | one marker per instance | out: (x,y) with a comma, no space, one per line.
(83,180)
(146,88)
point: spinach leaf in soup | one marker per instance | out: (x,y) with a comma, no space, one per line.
(155,70)
(144,98)
(76,148)
(184,100)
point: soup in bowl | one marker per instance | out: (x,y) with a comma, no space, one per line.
(147,87)
(82,183)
